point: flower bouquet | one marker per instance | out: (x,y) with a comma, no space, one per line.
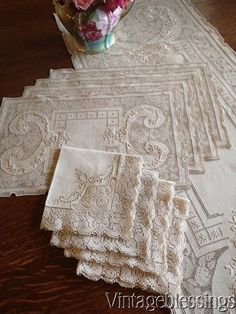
(92,22)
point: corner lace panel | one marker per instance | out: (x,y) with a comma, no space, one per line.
(98,201)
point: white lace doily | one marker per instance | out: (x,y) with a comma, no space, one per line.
(93,193)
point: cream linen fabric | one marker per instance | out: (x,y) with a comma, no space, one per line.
(32,131)
(114,202)
(157,237)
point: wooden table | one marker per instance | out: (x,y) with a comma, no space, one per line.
(37,278)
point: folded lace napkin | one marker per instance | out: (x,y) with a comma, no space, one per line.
(148,244)
(120,221)
(93,193)
(155,260)
(138,244)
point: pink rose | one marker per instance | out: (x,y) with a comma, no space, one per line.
(83,4)
(90,32)
(112,5)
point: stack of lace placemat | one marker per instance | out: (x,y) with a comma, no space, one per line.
(170,115)
(120,221)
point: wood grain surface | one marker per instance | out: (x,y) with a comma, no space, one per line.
(34,277)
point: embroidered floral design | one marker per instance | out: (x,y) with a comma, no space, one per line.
(94,192)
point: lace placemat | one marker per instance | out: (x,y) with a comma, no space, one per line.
(168,282)
(93,193)
(31,131)
(208,114)
(185,101)
(203,77)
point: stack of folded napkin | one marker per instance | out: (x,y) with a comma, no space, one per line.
(119,220)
